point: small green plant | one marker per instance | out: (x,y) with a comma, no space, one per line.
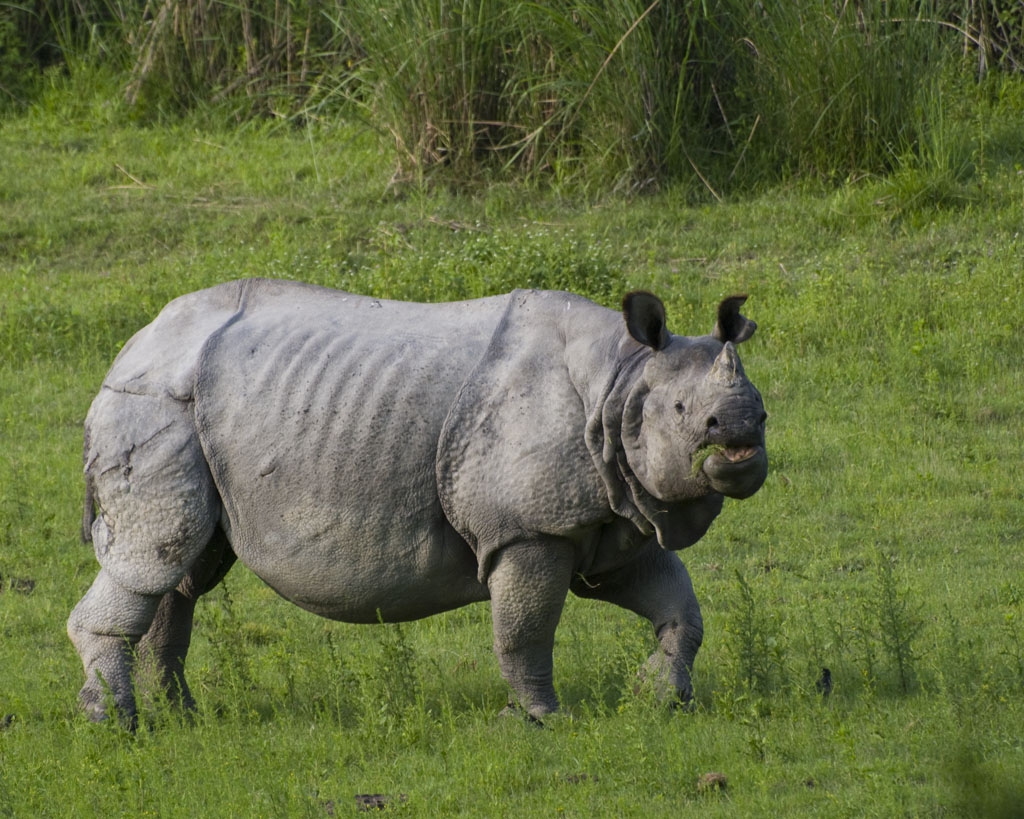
(755,644)
(389,685)
(959,673)
(1014,648)
(231,678)
(897,620)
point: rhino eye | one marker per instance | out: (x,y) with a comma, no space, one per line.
(679,407)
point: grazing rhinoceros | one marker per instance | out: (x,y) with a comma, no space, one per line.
(378,460)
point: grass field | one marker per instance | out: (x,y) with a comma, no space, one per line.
(885,545)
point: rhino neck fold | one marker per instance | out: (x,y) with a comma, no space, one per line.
(613,425)
(623,391)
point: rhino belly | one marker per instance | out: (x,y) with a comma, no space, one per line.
(321,436)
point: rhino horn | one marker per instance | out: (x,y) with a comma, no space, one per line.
(726,370)
(731,325)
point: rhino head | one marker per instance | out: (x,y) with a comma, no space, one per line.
(692,424)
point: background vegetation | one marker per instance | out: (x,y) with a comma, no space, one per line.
(629,94)
(885,277)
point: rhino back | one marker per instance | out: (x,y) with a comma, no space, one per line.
(319,413)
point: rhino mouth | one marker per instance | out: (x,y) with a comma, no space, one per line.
(738,454)
(736,471)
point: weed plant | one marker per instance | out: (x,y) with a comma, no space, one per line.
(885,544)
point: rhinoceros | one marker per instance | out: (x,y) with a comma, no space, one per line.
(378,460)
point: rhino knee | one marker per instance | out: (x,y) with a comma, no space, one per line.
(110,608)
(149,562)
(682,637)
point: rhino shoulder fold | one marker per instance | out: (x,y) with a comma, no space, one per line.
(512,459)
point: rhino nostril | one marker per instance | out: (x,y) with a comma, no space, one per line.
(712,422)
(764,417)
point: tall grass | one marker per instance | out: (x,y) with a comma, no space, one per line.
(839,89)
(992,31)
(267,54)
(263,56)
(625,94)
(639,94)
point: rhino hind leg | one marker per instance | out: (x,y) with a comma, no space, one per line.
(105,627)
(119,632)
(157,515)
(163,648)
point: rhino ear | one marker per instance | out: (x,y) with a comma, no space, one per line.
(645,319)
(731,326)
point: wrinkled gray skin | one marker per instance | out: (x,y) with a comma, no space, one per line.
(372,459)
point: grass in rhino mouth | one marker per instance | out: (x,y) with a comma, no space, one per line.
(702,454)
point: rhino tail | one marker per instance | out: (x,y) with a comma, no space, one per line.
(89,512)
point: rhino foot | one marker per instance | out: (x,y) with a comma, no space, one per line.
(666,680)
(97,705)
(514,709)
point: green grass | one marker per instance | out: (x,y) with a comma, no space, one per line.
(885,544)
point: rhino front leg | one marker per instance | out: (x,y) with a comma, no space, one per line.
(528,585)
(657,586)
